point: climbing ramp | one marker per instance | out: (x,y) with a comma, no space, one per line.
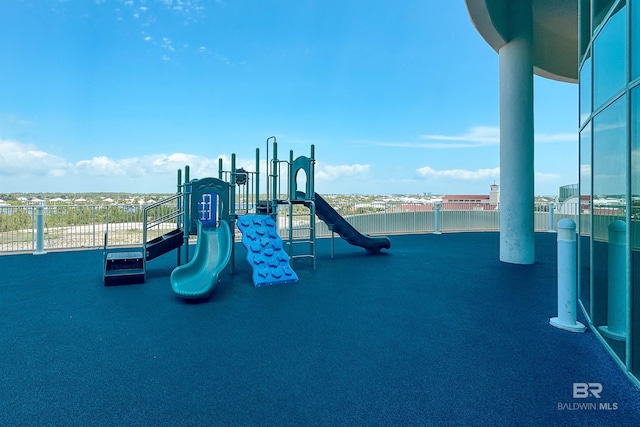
(265,253)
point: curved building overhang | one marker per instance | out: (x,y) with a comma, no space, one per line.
(555,33)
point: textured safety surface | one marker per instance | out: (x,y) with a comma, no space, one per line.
(437,332)
(265,254)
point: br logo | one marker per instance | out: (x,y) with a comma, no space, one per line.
(584,390)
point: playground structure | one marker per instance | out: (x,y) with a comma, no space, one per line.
(213,208)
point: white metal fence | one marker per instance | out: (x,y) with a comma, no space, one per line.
(83,226)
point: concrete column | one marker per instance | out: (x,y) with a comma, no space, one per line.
(516,139)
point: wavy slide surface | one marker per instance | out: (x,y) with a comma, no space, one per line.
(199,277)
(337,223)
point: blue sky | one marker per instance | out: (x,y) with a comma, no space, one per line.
(398,97)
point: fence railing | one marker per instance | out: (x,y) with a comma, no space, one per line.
(83,226)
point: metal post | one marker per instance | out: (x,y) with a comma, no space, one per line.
(232,190)
(93,219)
(268,175)
(256,198)
(312,172)
(274,176)
(232,211)
(436,220)
(186,222)
(40,231)
(617,286)
(567,279)
(178,207)
(332,244)
(551,220)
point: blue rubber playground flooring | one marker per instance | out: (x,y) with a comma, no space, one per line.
(436,331)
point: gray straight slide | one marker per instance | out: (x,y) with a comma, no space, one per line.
(337,223)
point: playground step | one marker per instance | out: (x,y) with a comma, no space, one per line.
(123,268)
(165,243)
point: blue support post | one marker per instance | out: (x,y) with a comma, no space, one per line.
(551,219)
(436,220)
(567,279)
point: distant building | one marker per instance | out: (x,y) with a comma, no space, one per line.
(567,192)
(473,202)
(35,202)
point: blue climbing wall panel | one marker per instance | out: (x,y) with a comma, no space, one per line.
(265,254)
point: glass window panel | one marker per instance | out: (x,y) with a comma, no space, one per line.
(584,242)
(610,58)
(584,13)
(635,227)
(600,9)
(635,146)
(585,161)
(610,176)
(585,90)
(635,39)
(609,153)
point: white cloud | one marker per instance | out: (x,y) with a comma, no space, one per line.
(556,137)
(25,159)
(100,166)
(477,136)
(547,177)
(166,44)
(459,174)
(26,164)
(334,172)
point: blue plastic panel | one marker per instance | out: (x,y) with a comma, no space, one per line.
(265,253)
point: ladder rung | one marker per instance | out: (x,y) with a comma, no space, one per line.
(302,256)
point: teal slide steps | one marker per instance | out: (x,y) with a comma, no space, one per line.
(199,277)
(265,254)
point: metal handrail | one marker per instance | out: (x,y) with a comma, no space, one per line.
(176,215)
(173,215)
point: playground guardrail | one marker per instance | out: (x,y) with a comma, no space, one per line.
(73,226)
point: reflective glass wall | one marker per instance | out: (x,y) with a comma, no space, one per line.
(609,274)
